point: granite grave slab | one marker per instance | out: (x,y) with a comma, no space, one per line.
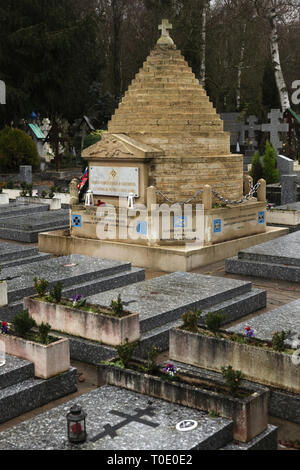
(121,420)
(16,255)
(278,259)
(79,274)
(27,228)
(160,303)
(21,392)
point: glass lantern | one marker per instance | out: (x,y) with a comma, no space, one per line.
(76,424)
(89,198)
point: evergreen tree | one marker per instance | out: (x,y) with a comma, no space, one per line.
(256,171)
(271,174)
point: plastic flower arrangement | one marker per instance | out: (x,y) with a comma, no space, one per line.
(4,327)
(170,369)
(249,332)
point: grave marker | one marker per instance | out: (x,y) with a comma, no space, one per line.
(274,127)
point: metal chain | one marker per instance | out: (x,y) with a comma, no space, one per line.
(177,202)
(251,193)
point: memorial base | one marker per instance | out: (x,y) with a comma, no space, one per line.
(159,258)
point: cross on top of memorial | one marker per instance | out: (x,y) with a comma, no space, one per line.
(275,127)
(165,36)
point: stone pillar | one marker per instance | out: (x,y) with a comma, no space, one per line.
(25,174)
(151,197)
(207,198)
(262,191)
(248,184)
(73,188)
(288,189)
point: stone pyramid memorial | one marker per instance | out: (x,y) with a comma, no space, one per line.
(165,145)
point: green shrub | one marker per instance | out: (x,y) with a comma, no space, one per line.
(44,330)
(117,307)
(213,321)
(40,286)
(44,194)
(271,173)
(191,319)
(125,351)
(232,378)
(278,340)
(56,292)
(23,323)
(152,356)
(17,148)
(256,171)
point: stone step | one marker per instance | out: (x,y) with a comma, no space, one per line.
(30,259)
(32,393)
(269,258)
(28,236)
(262,269)
(14,209)
(10,252)
(15,370)
(71,270)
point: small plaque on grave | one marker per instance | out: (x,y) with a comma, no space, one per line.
(186,425)
(118,181)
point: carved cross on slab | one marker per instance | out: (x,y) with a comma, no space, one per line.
(165,36)
(137,418)
(275,127)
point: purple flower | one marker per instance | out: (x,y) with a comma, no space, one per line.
(170,369)
(249,332)
(76,298)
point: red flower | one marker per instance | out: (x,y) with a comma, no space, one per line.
(248,328)
(4,323)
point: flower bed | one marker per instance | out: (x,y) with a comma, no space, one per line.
(89,322)
(258,361)
(249,414)
(49,360)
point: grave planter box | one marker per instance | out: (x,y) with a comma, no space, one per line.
(4,199)
(249,415)
(54,203)
(283,217)
(261,365)
(49,360)
(89,325)
(3,293)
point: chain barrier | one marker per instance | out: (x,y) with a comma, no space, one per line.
(251,193)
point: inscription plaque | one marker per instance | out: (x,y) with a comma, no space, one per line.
(114,181)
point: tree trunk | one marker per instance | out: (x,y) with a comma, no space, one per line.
(240,69)
(202,74)
(274,44)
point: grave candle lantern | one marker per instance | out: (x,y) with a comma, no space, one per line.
(89,198)
(76,424)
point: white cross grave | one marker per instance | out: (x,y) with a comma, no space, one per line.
(165,36)
(251,128)
(275,127)
(2,92)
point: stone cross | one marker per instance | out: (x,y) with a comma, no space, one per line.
(165,36)
(2,92)
(275,127)
(251,128)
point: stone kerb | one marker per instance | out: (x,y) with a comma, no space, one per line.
(49,360)
(93,326)
(275,369)
(54,203)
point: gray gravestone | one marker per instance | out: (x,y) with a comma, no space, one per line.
(275,127)
(235,127)
(251,128)
(25,174)
(288,188)
(285,165)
